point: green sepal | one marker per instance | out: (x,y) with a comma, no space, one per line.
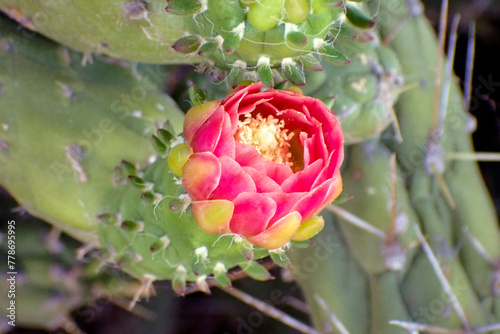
(197,95)
(297,39)
(159,244)
(208,48)
(310,63)
(220,275)
(358,18)
(108,218)
(231,42)
(265,72)
(179,280)
(132,226)
(129,167)
(183,7)
(159,145)
(292,73)
(280,259)
(256,271)
(281,85)
(151,197)
(246,249)
(236,73)
(138,182)
(332,55)
(342,32)
(165,136)
(187,44)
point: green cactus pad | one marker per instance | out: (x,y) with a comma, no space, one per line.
(133,30)
(65,128)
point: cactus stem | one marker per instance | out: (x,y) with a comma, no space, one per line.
(356,221)
(469,65)
(442,278)
(414,327)
(448,76)
(391,234)
(488,328)
(472,156)
(270,311)
(335,321)
(477,245)
(146,289)
(443,186)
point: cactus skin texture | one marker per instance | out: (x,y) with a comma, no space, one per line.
(273,40)
(104,190)
(400,282)
(133,30)
(71,123)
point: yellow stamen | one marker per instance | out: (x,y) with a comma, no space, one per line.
(268,135)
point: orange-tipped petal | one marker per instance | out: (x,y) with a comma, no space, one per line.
(279,234)
(309,229)
(196,117)
(213,216)
(201,175)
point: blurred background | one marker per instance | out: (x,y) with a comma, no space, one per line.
(166,313)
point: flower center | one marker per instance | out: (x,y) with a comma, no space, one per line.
(268,135)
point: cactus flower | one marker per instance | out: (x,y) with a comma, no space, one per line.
(264,164)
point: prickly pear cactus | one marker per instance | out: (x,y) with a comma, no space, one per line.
(411,238)
(134,30)
(414,245)
(86,114)
(274,39)
(107,184)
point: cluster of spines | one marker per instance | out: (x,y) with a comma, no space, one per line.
(266,16)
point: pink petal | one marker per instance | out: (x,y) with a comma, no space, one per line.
(279,173)
(333,192)
(331,168)
(233,101)
(263,183)
(279,234)
(233,180)
(285,202)
(303,180)
(196,116)
(281,99)
(201,174)
(208,134)
(226,145)
(248,156)
(251,107)
(213,216)
(317,199)
(252,212)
